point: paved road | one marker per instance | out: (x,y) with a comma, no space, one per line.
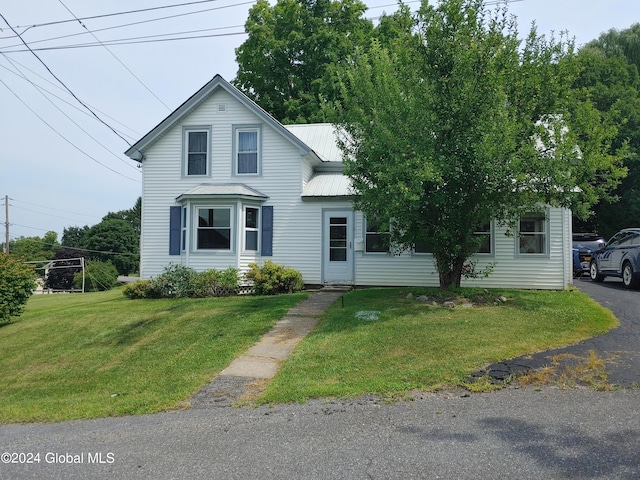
(511,434)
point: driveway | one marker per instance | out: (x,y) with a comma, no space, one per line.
(620,347)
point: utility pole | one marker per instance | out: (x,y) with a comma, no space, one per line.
(6,224)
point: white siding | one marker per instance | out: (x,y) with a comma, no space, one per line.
(510,270)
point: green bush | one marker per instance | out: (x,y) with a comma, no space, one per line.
(273,279)
(98,276)
(216,283)
(174,282)
(136,290)
(17,282)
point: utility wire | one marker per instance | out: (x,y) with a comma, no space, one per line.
(63,84)
(114,56)
(52,208)
(84,112)
(63,137)
(74,122)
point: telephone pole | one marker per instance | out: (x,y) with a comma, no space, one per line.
(6,224)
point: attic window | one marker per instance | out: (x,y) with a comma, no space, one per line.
(222,108)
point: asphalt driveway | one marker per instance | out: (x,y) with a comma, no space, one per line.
(620,347)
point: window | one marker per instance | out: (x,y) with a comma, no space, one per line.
(251,228)
(423,247)
(485,234)
(196,154)
(376,241)
(533,234)
(214,229)
(247,155)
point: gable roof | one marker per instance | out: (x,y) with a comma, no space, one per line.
(136,151)
(321,137)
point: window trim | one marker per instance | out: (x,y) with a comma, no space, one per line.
(237,129)
(491,233)
(186,130)
(545,234)
(196,227)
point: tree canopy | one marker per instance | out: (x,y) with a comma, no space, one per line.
(286,62)
(458,123)
(609,78)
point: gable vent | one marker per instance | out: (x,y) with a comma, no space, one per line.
(222,108)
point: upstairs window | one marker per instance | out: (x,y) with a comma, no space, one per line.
(533,234)
(196,152)
(247,155)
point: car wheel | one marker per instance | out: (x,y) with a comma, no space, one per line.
(627,276)
(594,273)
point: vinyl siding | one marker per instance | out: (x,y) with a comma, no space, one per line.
(510,270)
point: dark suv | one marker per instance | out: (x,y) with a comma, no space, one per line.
(620,257)
(584,244)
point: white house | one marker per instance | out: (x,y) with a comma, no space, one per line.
(225,184)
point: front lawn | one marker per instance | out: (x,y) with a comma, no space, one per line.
(413,345)
(101,354)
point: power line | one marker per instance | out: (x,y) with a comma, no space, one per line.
(52,208)
(118,13)
(84,112)
(72,120)
(62,83)
(117,59)
(63,137)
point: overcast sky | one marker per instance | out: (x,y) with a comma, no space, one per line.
(61,167)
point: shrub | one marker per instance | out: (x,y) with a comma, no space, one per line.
(273,279)
(99,276)
(216,283)
(136,290)
(174,282)
(17,282)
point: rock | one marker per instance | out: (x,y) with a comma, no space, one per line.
(409,296)
(449,304)
(502,299)
(422,298)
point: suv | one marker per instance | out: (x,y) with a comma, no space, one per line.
(584,244)
(620,257)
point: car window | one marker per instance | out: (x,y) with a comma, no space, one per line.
(636,239)
(615,240)
(626,240)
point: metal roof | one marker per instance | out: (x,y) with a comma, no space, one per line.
(328,185)
(223,190)
(321,138)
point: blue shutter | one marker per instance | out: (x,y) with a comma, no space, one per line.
(175,214)
(266,247)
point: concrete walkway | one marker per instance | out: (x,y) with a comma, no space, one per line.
(250,373)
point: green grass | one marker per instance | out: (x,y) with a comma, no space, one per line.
(101,354)
(416,346)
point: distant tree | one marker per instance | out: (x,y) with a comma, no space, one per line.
(132,215)
(116,240)
(17,282)
(459,124)
(609,78)
(35,248)
(74,236)
(286,63)
(61,277)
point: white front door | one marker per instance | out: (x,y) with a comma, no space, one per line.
(337,246)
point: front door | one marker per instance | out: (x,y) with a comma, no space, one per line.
(337,246)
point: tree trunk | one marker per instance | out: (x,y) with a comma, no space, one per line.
(450,273)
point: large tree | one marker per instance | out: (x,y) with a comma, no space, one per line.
(293,46)
(458,123)
(609,77)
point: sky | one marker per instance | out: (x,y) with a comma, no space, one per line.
(99,84)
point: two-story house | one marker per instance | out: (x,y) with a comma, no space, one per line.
(225,184)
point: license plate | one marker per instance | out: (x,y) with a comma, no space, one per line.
(587,259)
